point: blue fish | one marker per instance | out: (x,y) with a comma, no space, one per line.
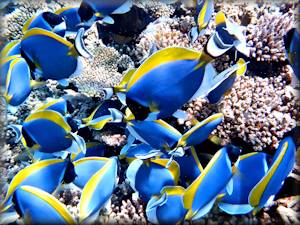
(281,166)
(98,191)
(190,167)
(11,48)
(203,192)
(93,10)
(140,151)
(158,134)
(72,18)
(49,132)
(58,105)
(102,115)
(292,47)
(166,93)
(95,149)
(204,11)
(200,132)
(251,169)
(86,167)
(53,56)
(227,35)
(226,83)
(16,83)
(36,206)
(167,208)
(47,21)
(46,175)
(143,175)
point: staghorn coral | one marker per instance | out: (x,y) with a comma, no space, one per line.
(266,37)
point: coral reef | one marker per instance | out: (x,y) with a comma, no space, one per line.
(266,37)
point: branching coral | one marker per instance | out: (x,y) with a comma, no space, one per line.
(156,8)
(12,25)
(266,37)
(257,110)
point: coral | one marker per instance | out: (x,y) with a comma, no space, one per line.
(100,72)
(257,110)
(13,22)
(156,8)
(70,197)
(266,37)
(111,139)
(167,32)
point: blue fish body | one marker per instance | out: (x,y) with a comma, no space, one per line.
(196,198)
(243,182)
(58,105)
(140,151)
(143,177)
(292,46)
(86,167)
(93,149)
(98,190)
(72,18)
(47,21)
(166,93)
(15,80)
(201,131)
(167,208)
(282,164)
(53,56)
(46,175)
(158,134)
(215,95)
(37,206)
(55,128)
(190,167)
(11,48)
(106,7)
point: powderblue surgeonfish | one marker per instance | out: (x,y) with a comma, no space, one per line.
(158,134)
(197,199)
(228,34)
(46,175)
(58,105)
(251,169)
(86,167)
(36,206)
(72,18)
(11,48)
(292,47)
(103,114)
(16,83)
(96,149)
(47,21)
(204,11)
(281,166)
(143,176)
(53,56)
(190,167)
(226,83)
(98,191)
(49,132)
(92,10)
(139,151)
(167,207)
